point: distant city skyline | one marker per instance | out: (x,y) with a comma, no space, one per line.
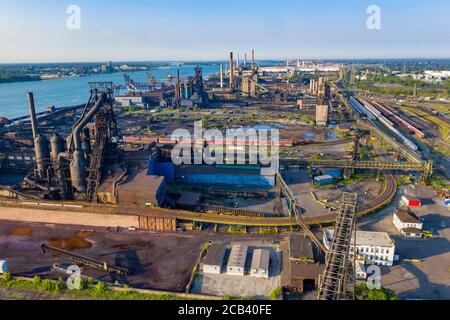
(138,30)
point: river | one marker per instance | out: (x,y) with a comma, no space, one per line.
(66,92)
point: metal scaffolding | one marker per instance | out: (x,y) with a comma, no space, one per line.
(338,275)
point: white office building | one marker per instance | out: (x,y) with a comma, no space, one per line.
(372,247)
(408,223)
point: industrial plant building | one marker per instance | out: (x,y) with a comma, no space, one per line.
(237,259)
(305,264)
(373,247)
(322,112)
(408,223)
(214,259)
(243,175)
(260,263)
(132,187)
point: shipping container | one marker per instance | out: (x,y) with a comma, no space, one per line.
(335,173)
(410,202)
(322,180)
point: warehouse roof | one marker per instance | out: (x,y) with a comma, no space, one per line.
(261,259)
(406,216)
(412,230)
(306,271)
(365,238)
(238,256)
(300,247)
(189,198)
(215,255)
(138,180)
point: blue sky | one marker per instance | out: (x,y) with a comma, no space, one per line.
(35,31)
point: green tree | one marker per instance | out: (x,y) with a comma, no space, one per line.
(276,294)
(7,276)
(100,288)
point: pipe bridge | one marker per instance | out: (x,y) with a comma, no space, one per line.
(426,168)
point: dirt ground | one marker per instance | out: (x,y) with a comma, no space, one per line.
(159,261)
(330,152)
(300,183)
(429,279)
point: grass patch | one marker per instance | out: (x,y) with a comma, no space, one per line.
(364,293)
(438,183)
(98,291)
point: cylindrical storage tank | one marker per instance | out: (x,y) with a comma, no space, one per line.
(188,92)
(42,154)
(78,171)
(182,91)
(57,146)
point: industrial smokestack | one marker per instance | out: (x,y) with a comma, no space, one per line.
(237,63)
(253,58)
(245,59)
(231,70)
(177,87)
(32,114)
(221,76)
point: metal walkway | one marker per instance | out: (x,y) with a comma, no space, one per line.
(338,273)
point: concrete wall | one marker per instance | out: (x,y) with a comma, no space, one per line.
(70,218)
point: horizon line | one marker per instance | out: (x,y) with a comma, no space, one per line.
(225,60)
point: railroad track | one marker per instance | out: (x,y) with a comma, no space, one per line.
(388,193)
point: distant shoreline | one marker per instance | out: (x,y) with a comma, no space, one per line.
(15,79)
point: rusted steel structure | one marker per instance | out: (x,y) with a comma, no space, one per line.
(338,275)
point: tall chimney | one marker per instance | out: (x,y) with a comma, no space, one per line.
(32,114)
(245,59)
(221,76)
(237,63)
(231,70)
(253,58)
(177,87)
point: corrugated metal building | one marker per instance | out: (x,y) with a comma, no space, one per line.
(141,189)
(236,261)
(260,263)
(224,175)
(214,259)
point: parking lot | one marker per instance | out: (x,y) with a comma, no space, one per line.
(247,286)
(430,278)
